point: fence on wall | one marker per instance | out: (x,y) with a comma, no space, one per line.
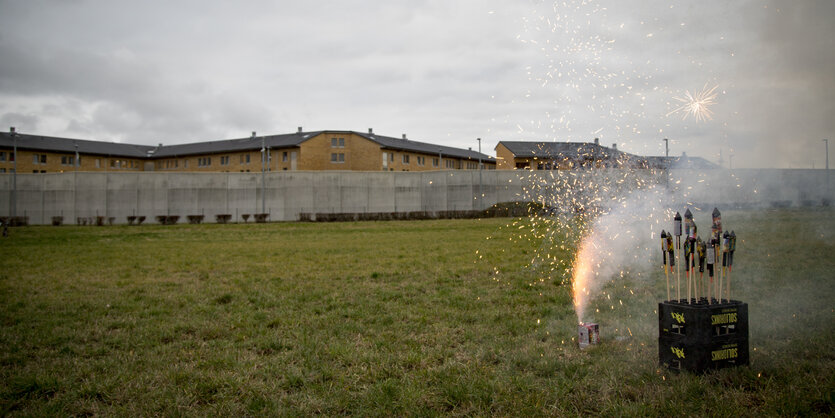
(289,196)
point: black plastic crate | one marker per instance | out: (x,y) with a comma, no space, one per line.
(699,322)
(721,352)
(702,336)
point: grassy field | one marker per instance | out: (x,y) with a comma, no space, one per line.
(386,318)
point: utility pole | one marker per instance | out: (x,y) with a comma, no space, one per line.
(77,158)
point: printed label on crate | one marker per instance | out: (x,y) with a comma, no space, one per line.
(727,352)
(679,352)
(724,317)
(678,316)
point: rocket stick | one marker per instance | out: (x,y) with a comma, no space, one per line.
(731,249)
(677,233)
(664,260)
(671,254)
(701,250)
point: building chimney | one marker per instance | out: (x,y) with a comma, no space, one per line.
(615,146)
(596,141)
(253,134)
(300,129)
(370,130)
(12,130)
(404,136)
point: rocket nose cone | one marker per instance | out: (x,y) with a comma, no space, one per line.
(716,213)
(677,217)
(688,214)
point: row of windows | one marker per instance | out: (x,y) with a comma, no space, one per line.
(65,160)
(4,156)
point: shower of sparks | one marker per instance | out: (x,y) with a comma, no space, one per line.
(697,105)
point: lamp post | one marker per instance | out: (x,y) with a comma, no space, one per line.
(440,160)
(13,200)
(263,175)
(666,161)
(77,158)
(480,193)
(826,142)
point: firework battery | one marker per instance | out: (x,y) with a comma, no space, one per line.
(588,334)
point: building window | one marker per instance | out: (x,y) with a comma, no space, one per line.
(405,158)
(185,163)
(205,161)
(2,156)
(284,156)
(11,159)
(2,170)
(65,160)
(224,160)
(421,160)
(337,157)
(434,162)
(98,163)
(337,142)
(449,163)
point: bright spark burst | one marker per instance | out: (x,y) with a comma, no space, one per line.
(697,105)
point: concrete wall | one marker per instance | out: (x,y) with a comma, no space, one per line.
(289,193)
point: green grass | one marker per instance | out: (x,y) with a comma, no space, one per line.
(385,318)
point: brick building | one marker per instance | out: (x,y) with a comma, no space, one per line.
(318,150)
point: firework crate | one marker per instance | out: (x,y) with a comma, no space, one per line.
(699,322)
(702,336)
(721,352)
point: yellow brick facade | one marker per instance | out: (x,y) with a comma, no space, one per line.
(59,162)
(329,150)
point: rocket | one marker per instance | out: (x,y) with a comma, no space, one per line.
(677,229)
(716,229)
(670,250)
(664,256)
(726,244)
(688,222)
(731,249)
(711,261)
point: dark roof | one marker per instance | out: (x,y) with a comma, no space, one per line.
(563,150)
(683,162)
(68,145)
(231,145)
(55,144)
(401,144)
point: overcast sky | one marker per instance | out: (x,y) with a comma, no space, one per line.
(440,71)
